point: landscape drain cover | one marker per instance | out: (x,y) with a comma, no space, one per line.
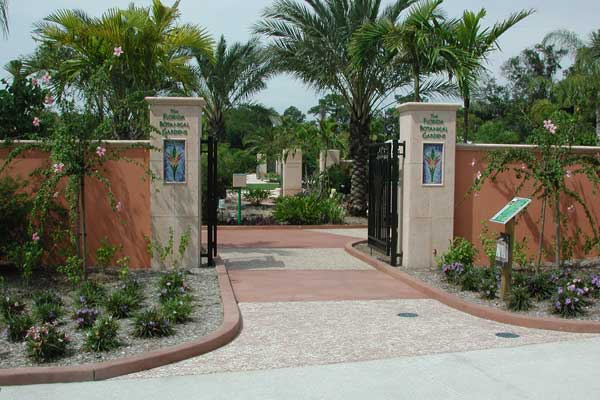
(408,315)
(507,335)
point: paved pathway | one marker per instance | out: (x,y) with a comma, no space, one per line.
(311,306)
(554,371)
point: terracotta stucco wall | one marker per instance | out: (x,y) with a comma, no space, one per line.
(130,185)
(471,209)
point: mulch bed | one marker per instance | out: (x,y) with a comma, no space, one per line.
(206,318)
(435,278)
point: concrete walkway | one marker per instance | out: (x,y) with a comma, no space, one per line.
(555,371)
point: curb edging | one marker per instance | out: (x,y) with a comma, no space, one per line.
(476,310)
(229,329)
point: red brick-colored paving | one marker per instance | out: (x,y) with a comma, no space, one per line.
(315,285)
(280,238)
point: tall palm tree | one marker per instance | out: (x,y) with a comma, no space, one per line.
(583,81)
(229,77)
(4,17)
(311,39)
(117,59)
(477,43)
(419,42)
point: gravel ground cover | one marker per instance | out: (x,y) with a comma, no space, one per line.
(206,318)
(434,277)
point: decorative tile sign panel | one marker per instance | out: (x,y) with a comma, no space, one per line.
(433,164)
(174,161)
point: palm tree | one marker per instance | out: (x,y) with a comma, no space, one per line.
(117,59)
(310,40)
(477,43)
(4,17)
(418,42)
(583,81)
(229,77)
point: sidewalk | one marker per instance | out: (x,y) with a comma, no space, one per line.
(545,372)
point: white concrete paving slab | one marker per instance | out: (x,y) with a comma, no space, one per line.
(293,334)
(311,259)
(359,233)
(566,370)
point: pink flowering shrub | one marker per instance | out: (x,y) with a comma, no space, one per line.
(45,343)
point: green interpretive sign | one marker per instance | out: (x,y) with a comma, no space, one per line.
(510,210)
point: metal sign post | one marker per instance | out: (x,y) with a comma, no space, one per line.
(239,181)
(506,241)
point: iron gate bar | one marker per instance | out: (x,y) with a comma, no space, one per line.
(212,201)
(383,197)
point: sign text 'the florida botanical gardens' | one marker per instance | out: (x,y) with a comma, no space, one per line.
(174,123)
(433,127)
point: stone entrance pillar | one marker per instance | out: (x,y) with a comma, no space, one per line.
(427,175)
(175,161)
(292,172)
(261,167)
(327,159)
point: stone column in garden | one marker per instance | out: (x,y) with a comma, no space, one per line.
(426,214)
(261,167)
(328,158)
(175,160)
(291,172)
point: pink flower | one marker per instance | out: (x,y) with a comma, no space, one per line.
(35,82)
(117,51)
(569,174)
(36,121)
(35,237)
(473,162)
(479,175)
(55,195)
(49,100)
(549,126)
(523,166)
(101,151)
(571,208)
(58,168)
(46,78)
(119,206)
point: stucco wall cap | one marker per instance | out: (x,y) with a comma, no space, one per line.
(177,101)
(407,107)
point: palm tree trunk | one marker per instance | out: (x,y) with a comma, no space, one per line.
(467,104)
(360,138)
(417,78)
(557,256)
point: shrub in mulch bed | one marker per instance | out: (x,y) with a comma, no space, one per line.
(172,284)
(177,309)
(46,343)
(85,317)
(90,294)
(103,335)
(46,297)
(121,304)
(11,306)
(519,299)
(17,326)
(571,299)
(152,323)
(540,285)
(47,312)
(453,271)
(132,287)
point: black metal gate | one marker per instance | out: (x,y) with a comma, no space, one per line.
(383,197)
(209,147)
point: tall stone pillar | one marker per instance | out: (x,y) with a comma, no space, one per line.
(327,159)
(175,160)
(427,175)
(261,167)
(292,172)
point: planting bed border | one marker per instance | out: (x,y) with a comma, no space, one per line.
(229,329)
(477,310)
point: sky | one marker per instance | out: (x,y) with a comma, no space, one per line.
(234,19)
